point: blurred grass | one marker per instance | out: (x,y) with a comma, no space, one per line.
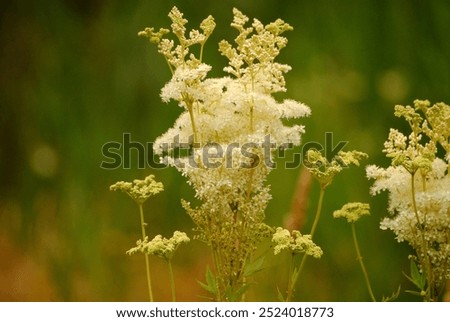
(74,76)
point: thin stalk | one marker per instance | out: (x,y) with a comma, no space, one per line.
(424,182)
(360,260)
(172,281)
(191,116)
(318,211)
(217,263)
(253,102)
(296,273)
(170,66)
(147,264)
(291,277)
(430,290)
(201,51)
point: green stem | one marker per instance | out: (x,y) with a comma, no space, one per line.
(170,66)
(147,264)
(253,101)
(172,281)
(217,264)
(318,211)
(201,51)
(430,289)
(360,260)
(191,116)
(296,273)
(291,277)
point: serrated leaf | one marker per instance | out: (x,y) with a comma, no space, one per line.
(393,297)
(210,285)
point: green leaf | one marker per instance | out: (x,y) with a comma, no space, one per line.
(206,287)
(210,278)
(254,267)
(211,284)
(416,277)
(235,296)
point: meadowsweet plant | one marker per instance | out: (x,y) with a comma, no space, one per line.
(237,110)
(352,212)
(140,191)
(418,183)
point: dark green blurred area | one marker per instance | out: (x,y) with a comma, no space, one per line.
(74,75)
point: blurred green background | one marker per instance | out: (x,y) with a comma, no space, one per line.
(74,75)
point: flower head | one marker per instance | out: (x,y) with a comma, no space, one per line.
(324,171)
(160,246)
(139,190)
(352,211)
(295,243)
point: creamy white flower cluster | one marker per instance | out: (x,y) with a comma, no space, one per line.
(229,112)
(418,183)
(236,109)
